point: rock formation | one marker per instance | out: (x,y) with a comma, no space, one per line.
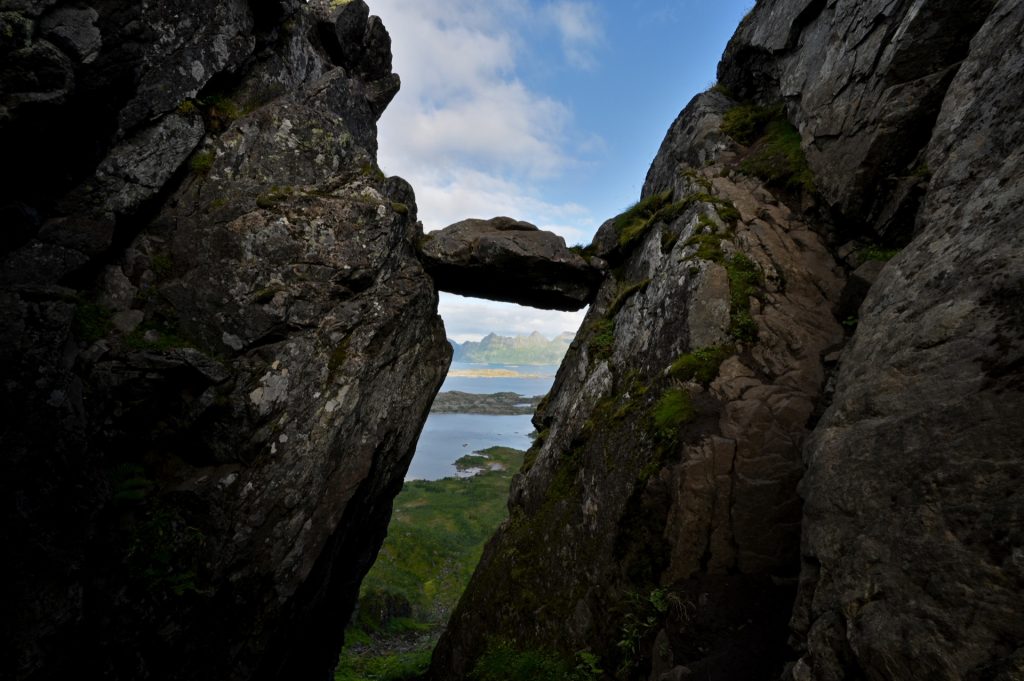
(744,473)
(218,343)
(785,444)
(509,260)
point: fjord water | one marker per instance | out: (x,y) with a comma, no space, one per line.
(446,437)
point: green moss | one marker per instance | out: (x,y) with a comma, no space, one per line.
(403,666)
(504,662)
(721,89)
(266,294)
(400,208)
(602,340)
(625,293)
(746,122)
(744,283)
(701,365)
(372,170)
(778,159)
(338,356)
(878,253)
(91,322)
(201,162)
(674,409)
(161,264)
(709,247)
(631,225)
(221,111)
(274,196)
(188,107)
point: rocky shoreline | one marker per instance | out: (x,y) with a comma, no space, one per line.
(497,404)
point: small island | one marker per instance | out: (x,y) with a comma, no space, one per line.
(504,403)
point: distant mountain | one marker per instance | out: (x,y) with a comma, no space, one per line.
(495,349)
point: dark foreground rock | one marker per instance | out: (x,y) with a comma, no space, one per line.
(509,260)
(730,483)
(218,344)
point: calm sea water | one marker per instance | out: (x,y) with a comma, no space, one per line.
(446,437)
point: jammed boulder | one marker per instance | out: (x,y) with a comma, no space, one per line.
(512,261)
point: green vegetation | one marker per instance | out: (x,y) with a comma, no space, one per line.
(776,156)
(602,339)
(274,196)
(338,356)
(503,662)
(201,162)
(746,122)
(625,292)
(645,617)
(674,409)
(400,208)
(188,107)
(372,170)
(437,533)
(878,253)
(701,365)
(632,224)
(709,247)
(778,159)
(391,667)
(744,283)
(91,322)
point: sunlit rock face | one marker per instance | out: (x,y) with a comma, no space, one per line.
(219,344)
(511,261)
(748,469)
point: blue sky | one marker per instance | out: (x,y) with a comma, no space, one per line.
(548,111)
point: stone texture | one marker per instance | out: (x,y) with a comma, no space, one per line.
(509,260)
(912,531)
(863,81)
(611,503)
(672,550)
(218,342)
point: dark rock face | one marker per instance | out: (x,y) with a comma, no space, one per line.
(509,260)
(717,499)
(863,82)
(663,490)
(218,343)
(912,533)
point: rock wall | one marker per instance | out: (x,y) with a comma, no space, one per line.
(732,484)
(218,343)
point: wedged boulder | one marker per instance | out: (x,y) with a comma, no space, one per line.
(509,260)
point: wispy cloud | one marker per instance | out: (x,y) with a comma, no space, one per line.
(474,139)
(579,28)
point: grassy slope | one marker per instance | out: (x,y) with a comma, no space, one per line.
(437,533)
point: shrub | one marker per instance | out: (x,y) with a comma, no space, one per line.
(502,662)
(674,409)
(701,365)
(746,122)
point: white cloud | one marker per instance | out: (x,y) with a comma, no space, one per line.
(579,29)
(474,140)
(472,319)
